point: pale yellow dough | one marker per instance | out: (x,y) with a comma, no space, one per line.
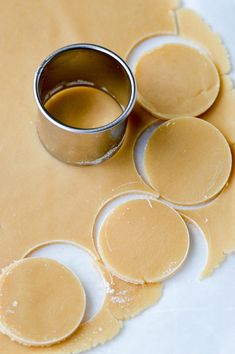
(41,302)
(143,241)
(187,161)
(217,222)
(123,300)
(42,199)
(222,113)
(192,26)
(83,107)
(176,80)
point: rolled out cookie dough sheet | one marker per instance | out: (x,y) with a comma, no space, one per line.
(176,80)
(41,197)
(24,317)
(27,171)
(193,27)
(89,333)
(124,23)
(25,163)
(45,200)
(32,180)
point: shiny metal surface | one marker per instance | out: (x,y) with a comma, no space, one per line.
(83,64)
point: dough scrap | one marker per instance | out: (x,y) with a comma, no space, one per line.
(70,106)
(176,80)
(128,300)
(143,241)
(125,300)
(41,302)
(193,27)
(222,113)
(217,222)
(187,161)
(89,334)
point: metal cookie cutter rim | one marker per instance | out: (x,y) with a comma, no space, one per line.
(105,127)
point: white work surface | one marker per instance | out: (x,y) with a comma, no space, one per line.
(193,316)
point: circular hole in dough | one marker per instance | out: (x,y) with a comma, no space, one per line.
(41,302)
(187,161)
(176,80)
(143,241)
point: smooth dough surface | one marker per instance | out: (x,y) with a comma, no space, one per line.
(222,113)
(143,241)
(41,302)
(83,107)
(192,26)
(187,161)
(38,200)
(176,80)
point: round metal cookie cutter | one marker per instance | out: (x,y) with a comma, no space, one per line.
(89,65)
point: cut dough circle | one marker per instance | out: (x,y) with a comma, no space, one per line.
(187,161)
(176,80)
(41,302)
(143,241)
